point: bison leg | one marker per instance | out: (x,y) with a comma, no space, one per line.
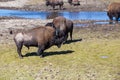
(71,35)
(19,47)
(117,17)
(65,38)
(70,2)
(40,51)
(53,7)
(110,17)
(47,3)
(71,31)
(61,7)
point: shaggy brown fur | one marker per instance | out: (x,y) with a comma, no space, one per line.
(63,26)
(114,11)
(41,37)
(69,25)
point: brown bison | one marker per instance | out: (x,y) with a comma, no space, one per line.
(41,37)
(54,3)
(63,26)
(69,25)
(74,2)
(114,11)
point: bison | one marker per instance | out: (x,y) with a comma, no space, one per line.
(54,3)
(114,11)
(74,2)
(63,26)
(69,25)
(41,37)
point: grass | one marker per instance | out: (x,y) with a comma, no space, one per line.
(90,59)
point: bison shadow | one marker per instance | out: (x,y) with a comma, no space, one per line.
(49,53)
(72,41)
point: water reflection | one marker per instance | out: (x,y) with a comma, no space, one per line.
(52,15)
(86,15)
(82,15)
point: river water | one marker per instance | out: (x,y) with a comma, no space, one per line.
(82,15)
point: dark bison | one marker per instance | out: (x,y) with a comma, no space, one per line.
(65,26)
(69,25)
(60,26)
(74,2)
(54,3)
(114,11)
(41,37)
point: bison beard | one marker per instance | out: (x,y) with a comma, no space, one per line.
(41,37)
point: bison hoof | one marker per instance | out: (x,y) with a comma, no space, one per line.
(59,46)
(41,56)
(21,57)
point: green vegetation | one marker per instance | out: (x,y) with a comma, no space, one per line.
(93,58)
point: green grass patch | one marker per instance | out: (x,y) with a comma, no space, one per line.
(85,60)
(95,57)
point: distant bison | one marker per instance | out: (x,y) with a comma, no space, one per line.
(63,26)
(114,11)
(74,2)
(54,3)
(41,37)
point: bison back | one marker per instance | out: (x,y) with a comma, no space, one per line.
(114,7)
